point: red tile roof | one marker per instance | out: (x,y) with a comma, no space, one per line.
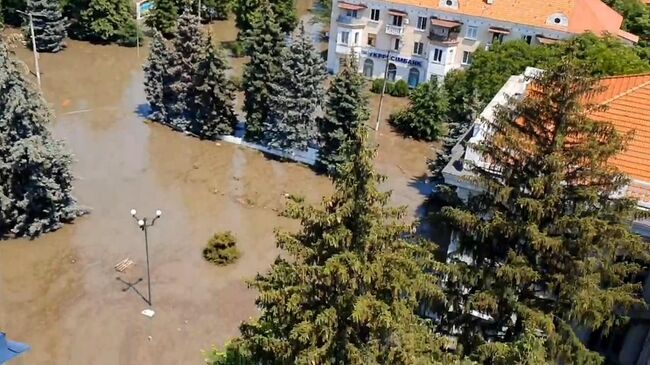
(628,108)
(583,15)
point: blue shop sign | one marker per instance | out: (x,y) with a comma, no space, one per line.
(394,58)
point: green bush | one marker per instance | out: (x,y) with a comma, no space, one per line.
(236,48)
(377,84)
(400,89)
(221,249)
(426,116)
(237,82)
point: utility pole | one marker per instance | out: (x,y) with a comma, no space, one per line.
(31,29)
(199,11)
(383,90)
(145,223)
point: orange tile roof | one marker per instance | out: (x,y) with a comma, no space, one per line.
(583,15)
(628,108)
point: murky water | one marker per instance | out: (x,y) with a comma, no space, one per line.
(60,293)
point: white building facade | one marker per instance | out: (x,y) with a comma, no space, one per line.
(424,41)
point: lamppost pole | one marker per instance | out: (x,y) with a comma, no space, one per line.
(144,224)
(383,90)
(31,30)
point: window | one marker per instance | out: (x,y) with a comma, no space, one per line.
(422,23)
(368,67)
(345,37)
(374,15)
(527,38)
(356,38)
(392,72)
(497,37)
(418,48)
(467,58)
(351,13)
(472,32)
(372,40)
(397,20)
(396,44)
(437,55)
(414,77)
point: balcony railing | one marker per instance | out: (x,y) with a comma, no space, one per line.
(450,38)
(394,30)
(344,19)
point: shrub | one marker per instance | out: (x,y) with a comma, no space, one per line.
(236,48)
(400,89)
(426,116)
(377,84)
(237,82)
(221,249)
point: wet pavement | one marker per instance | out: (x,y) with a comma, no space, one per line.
(61,294)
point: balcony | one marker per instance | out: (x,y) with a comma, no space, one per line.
(350,20)
(448,39)
(394,30)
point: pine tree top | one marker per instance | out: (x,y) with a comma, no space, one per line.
(549,236)
(348,294)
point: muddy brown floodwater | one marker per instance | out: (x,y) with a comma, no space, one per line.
(60,292)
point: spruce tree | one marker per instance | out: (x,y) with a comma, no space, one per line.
(350,287)
(284,10)
(49,25)
(547,241)
(346,110)
(214,10)
(155,76)
(163,17)
(35,176)
(183,63)
(266,43)
(425,117)
(215,96)
(295,96)
(108,21)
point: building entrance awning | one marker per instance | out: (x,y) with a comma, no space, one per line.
(349,6)
(397,12)
(445,23)
(546,40)
(499,30)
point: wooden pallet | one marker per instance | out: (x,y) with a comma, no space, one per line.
(124,264)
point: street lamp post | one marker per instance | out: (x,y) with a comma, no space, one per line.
(145,223)
(31,30)
(383,91)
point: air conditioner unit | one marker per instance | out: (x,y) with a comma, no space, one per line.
(406,21)
(489,1)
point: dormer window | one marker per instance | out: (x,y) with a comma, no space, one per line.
(453,4)
(558,19)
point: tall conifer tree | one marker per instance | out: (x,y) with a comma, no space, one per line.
(266,42)
(295,96)
(163,17)
(349,290)
(35,176)
(548,239)
(155,77)
(346,110)
(184,60)
(49,25)
(215,96)
(284,10)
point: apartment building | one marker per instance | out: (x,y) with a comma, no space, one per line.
(628,108)
(416,40)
